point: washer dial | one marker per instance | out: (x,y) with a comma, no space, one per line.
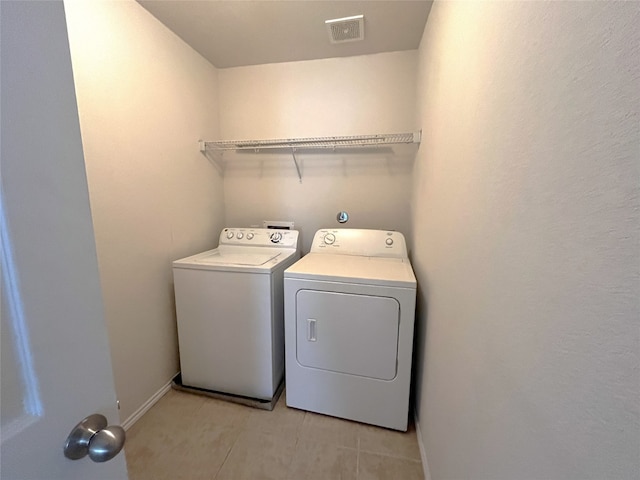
(275,237)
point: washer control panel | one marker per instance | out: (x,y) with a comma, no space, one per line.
(259,237)
(353,241)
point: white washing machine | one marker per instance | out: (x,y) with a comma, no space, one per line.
(229,305)
(349,316)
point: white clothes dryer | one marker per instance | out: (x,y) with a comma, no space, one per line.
(229,305)
(349,318)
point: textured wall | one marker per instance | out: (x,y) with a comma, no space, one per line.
(145,98)
(340,96)
(526,216)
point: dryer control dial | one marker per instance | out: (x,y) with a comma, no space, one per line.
(239,235)
(329,239)
(229,234)
(275,237)
(389,241)
(249,236)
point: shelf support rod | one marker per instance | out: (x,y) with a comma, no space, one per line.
(295,161)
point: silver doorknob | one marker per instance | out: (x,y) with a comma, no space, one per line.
(92,437)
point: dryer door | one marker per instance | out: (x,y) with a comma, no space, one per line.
(347,333)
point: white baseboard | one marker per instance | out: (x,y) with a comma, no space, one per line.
(135,416)
(423,453)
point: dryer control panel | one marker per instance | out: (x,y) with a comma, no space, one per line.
(259,237)
(362,242)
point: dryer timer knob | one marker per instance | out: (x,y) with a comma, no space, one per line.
(229,234)
(329,238)
(389,241)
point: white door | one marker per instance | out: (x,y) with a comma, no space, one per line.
(55,364)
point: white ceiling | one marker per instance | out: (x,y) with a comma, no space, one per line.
(231,33)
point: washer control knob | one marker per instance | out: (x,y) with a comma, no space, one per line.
(239,235)
(249,236)
(389,241)
(229,234)
(329,238)
(275,237)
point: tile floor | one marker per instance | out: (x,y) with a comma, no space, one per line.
(186,436)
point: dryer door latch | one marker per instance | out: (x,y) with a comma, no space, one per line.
(311,329)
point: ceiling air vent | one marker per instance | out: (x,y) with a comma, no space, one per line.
(347,29)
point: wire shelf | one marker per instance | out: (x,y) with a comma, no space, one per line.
(218,147)
(314,142)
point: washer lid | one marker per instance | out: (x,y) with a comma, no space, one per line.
(216,257)
(396,272)
(245,259)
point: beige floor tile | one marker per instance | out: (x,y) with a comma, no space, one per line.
(258,456)
(171,441)
(196,452)
(186,436)
(390,442)
(283,398)
(331,430)
(174,405)
(159,425)
(380,467)
(322,461)
(222,413)
(282,420)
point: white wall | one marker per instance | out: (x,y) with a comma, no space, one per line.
(339,96)
(145,98)
(527,244)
